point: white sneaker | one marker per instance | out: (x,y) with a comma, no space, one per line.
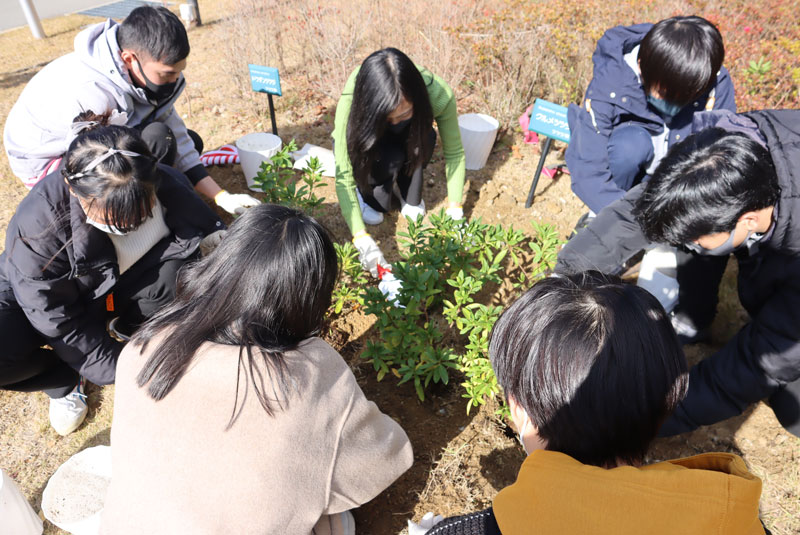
(68,413)
(370,215)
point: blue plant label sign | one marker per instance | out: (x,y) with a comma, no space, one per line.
(549,120)
(265,79)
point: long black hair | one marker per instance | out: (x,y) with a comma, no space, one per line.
(124,185)
(387,76)
(265,289)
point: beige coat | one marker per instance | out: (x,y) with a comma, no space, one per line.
(177,470)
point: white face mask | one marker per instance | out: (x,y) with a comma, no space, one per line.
(105,228)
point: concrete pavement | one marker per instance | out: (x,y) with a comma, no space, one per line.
(13,15)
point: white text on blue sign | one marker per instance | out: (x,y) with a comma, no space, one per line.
(265,79)
(549,120)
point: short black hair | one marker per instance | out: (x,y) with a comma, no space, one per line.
(594,361)
(703,186)
(156,32)
(680,58)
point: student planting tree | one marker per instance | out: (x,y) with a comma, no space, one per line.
(101,241)
(134,68)
(383,139)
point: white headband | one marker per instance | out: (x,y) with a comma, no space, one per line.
(103,157)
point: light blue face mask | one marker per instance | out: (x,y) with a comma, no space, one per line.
(722,250)
(665,108)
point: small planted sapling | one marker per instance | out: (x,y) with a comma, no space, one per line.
(278,179)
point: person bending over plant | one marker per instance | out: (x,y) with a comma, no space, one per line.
(230,415)
(383,138)
(591,367)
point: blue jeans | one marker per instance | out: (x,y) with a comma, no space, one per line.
(630,151)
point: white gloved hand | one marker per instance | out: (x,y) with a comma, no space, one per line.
(390,287)
(455,212)
(425,524)
(235,203)
(369,253)
(210,242)
(412,211)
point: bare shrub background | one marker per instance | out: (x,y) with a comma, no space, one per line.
(497,56)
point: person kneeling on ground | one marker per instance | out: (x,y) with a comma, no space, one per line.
(729,189)
(134,68)
(100,241)
(648,82)
(230,415)
(383,139)
(591,367)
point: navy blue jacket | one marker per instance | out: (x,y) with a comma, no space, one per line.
(765,354)
(615,97)
(61,269)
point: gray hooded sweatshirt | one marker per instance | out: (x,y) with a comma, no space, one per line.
(93,77)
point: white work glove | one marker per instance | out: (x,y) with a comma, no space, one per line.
(425,524)
(369,253)
(235,203)
(390,287)
(455,212)
(412,211)
(210,242)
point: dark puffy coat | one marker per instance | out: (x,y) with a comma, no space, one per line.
(616,97)
(61,269)
(765,354)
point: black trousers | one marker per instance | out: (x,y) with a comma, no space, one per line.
(162,143)
(27,366)
(389,169)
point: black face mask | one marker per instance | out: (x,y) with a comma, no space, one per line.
(156,92)
(398,128)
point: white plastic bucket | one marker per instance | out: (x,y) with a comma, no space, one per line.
(16,514)
(74,496)
(188,13)
(478,132)
(253,150)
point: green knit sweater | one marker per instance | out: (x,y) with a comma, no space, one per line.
(443,102)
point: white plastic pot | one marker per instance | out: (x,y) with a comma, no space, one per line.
(253,150)
(78,484)
(16,514)
(478,132)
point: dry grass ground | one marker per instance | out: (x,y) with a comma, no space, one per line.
(461,462)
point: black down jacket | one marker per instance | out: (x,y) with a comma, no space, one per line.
(765,354)
(61,269)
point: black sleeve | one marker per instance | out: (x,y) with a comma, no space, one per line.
(608,242)
(39,271)
(196,174)
(480,523)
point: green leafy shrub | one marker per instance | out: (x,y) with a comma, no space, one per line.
(352,279)
(278,179)
(446,267)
